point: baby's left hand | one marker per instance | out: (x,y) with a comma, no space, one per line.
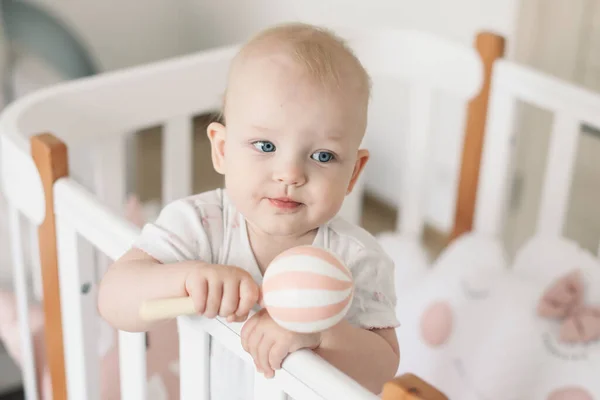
(269,344)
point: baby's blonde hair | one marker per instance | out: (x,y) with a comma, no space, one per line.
(325,56)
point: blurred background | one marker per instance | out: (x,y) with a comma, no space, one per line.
(48,41)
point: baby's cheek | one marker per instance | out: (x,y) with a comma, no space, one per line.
(437,323)
(570,393)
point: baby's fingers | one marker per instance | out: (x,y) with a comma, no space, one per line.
(235,318)
(253,345)
(276,355)
(262,356)
(230,299)
(198,290)
(248,296)
(213,303)
(248,330)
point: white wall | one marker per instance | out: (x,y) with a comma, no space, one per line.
(228,21)
(123,33)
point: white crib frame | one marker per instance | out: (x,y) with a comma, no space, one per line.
(570,105)
(65,211)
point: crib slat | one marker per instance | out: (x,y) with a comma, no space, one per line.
(194,362)
(411,221)
(558,175)
(132,365)
(20,283)
(34,261)
(109,167)
(267,389)
(496,158)
(177,159)
(80,320)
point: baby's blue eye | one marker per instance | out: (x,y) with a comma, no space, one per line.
(264,146)
(322,156)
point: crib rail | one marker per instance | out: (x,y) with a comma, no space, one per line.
(122,101)
(304,375)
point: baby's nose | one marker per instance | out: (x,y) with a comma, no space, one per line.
(290,173)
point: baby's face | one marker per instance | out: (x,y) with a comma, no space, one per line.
(290,147)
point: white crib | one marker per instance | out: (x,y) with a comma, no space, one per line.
(72,200)
(490,339)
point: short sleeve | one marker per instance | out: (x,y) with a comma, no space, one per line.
(374,303)
(176,235)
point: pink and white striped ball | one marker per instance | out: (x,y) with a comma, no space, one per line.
(307,289)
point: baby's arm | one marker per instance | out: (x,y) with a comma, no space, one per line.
(136,277)
(364,345)
(171,258)
(370,357)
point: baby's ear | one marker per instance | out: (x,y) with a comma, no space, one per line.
(216,133)
(359,165)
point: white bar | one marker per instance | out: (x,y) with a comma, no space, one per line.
(559,174)
(20,283)
(177,165)
(194,362)
(411,221)
(266,389)
(497,154)
(93,220)
(108,163)
(34,260)
(132,365)
(79,316)
(109,170)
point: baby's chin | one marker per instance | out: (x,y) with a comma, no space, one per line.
(284,225)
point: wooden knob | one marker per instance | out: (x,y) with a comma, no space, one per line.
(410,387)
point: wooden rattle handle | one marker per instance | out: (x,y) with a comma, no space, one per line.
(154,310)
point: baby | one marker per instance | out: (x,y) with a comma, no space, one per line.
(294,115)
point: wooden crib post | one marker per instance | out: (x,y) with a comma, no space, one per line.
(50,157)
(490,47)
(410,387)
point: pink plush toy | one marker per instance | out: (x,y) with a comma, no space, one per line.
(162,354)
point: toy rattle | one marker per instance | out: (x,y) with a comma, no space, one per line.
(305,289)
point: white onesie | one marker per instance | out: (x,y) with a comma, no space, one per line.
(207,227)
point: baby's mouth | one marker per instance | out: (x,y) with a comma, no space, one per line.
(284,203)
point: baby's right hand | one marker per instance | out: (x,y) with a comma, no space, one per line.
(222,290)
